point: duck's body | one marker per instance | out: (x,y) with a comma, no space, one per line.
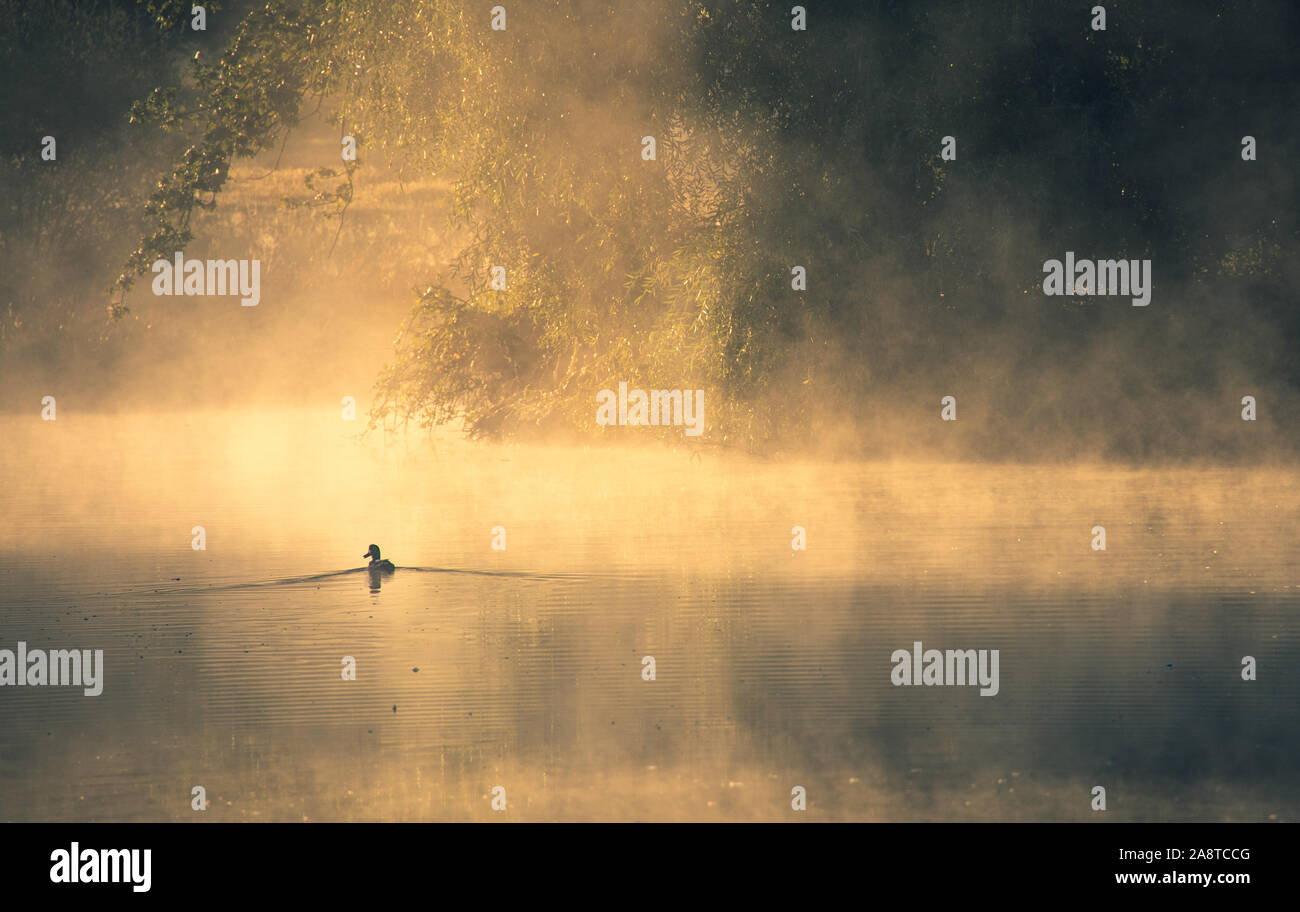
(378,564)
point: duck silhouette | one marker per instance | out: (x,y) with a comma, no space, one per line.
(378,564)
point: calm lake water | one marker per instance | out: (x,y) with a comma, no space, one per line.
(222,667)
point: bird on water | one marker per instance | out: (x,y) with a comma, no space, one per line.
(377,562)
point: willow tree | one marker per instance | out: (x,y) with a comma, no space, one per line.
(774,148)
(595,174)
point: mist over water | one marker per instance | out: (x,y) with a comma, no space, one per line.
(825,518)
(222,666)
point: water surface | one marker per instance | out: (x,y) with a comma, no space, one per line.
(1119,669)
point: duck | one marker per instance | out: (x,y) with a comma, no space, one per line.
(376,562)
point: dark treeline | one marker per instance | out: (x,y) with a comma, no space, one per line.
(775,148)
(73,71)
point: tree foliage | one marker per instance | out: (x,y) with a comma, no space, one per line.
(774,148)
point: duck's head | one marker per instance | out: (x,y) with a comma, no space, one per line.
(373,553)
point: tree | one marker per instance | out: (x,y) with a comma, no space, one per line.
(774,147)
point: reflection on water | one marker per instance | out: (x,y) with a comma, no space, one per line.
(522,668)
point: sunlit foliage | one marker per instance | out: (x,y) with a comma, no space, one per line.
(774,148)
